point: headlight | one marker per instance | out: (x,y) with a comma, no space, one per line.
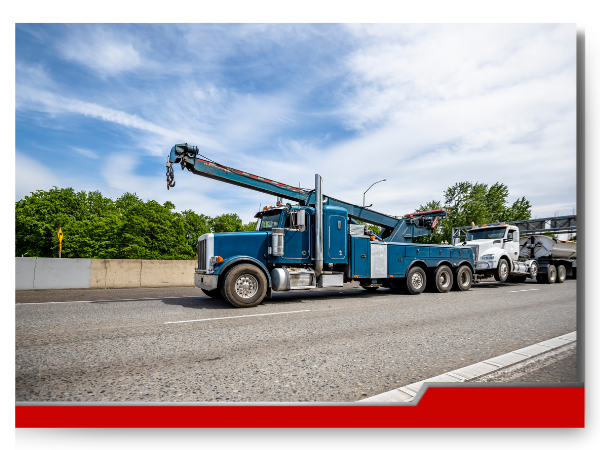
(488,256)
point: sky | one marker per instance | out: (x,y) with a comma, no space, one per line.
(98,107)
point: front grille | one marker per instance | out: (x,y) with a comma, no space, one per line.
(202,254)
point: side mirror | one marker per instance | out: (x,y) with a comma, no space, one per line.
(301,219)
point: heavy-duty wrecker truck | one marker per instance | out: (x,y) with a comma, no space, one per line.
(317,243)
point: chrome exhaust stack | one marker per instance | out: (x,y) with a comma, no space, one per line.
(318,226)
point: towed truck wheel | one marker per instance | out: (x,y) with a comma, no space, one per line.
(415,281)
(561,274)
(244,286)
(501,273)
(463,279)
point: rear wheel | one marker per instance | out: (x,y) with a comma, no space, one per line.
(551,275)
(244,286)
(561,274)
(215,293)
(463,279)
(501,273)
(442,280)
(415,281)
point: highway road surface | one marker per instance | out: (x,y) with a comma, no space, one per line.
(339,344)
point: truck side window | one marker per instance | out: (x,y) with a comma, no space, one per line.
(288,221)
(515,236)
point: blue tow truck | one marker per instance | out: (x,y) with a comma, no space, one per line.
(317,243)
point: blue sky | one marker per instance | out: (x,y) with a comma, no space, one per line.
(425,106)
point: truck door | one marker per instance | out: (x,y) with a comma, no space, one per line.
(296,242)
(512,245)
(337,234)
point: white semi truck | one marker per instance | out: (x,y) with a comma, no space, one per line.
(515,251)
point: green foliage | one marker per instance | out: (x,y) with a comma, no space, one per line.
(374,228)
(98,227)
(473,202)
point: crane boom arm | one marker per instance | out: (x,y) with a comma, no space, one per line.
(397,229)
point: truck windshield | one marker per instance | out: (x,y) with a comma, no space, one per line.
(269,221)
(486,233)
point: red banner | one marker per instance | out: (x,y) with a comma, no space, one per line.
(440,407)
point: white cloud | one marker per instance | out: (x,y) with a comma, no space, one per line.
(30,176)
(100,50)
(85,152)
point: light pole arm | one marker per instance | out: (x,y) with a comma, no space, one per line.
(370,188)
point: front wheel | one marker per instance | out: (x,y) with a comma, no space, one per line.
(501,273)
(415,281)
(244,286)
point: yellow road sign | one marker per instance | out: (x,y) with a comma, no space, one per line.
(60,235)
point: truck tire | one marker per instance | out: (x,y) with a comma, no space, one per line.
(442,280)
(415,281)
(561,274)
(244,286)
(501,273)
(551,275)
(215,293)
(463,279)
(533,269)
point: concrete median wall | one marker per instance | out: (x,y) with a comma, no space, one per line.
(67,273)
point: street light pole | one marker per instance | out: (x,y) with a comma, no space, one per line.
(370,188)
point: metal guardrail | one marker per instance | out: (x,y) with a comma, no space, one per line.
(531,227)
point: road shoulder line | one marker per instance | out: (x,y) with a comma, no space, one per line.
(467,373)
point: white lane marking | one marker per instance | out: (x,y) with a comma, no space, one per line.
(95,301)
(469,372)
(524,290)
(238,317)
(534,289)
(514,291)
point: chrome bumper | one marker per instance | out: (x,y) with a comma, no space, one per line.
(204,281)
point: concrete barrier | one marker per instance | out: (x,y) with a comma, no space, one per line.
(64,273)
(71,273)
(24,273)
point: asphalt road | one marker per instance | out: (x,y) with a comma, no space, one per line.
(339,344)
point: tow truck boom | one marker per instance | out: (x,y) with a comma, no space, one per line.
(393,229)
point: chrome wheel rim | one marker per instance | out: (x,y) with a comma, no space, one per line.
(464,278)
(534,270)
(246,286)
(417,280)
(562,273)
(444,279)
(503,270)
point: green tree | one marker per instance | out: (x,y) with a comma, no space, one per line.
(226,223)
(479,203)
(38,217)
(250,226)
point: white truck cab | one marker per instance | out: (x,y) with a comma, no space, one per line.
(496,252)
